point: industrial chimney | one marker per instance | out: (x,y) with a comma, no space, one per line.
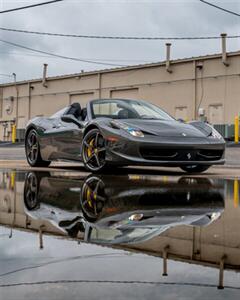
(168,49)
(224,51)
(44,80)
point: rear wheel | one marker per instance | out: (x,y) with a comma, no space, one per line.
(94,151)
(195,168)
(31,188)
(32,150)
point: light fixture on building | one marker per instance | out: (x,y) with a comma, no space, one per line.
(199,65)
(11,98)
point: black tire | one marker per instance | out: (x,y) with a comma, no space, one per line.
(32,150)
(31,188)
(93,198)
(94,151)
(195,168)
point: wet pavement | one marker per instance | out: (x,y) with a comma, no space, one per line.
(11,152)
(64,235)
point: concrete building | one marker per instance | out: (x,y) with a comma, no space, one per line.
(209,84)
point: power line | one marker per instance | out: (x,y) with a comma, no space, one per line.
(61,56)
(221,8)
(116,37)
(26,53)
(29,6)
(6,75)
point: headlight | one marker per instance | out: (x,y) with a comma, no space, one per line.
(135,217)
(133,131)
(215,134)
(215,216)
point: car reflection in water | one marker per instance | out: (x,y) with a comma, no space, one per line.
(121,210)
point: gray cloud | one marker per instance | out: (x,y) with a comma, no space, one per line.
(138,18)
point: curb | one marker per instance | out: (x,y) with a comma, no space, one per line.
(232,145)
(10,145)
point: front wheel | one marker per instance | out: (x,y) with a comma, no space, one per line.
(195,168)
(94,151)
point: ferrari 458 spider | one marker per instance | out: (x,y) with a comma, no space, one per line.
(117,132)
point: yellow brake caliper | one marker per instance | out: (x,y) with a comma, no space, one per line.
(90,197)
(89,150)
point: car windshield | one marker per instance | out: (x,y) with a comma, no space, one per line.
(127,109)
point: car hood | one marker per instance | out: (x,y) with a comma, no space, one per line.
(170,128)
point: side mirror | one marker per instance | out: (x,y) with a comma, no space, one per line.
(71,119)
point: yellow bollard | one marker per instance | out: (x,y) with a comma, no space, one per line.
(13,174)
(236,130)
(14,131)
(236,193)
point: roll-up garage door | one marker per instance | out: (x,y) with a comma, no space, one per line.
(181,112)
(125,94)
(82,98)
(216,114)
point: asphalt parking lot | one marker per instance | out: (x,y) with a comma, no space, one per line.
(13,156)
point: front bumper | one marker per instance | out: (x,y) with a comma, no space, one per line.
(153,152)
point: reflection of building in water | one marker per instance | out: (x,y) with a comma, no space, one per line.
(6,191)
(214,245)
(12,208)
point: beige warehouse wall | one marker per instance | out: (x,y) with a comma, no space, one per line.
(164,95)
(211,85)
(82,98)
(46,105)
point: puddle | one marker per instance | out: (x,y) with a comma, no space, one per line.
(129,236)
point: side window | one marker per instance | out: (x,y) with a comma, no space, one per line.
(59,113)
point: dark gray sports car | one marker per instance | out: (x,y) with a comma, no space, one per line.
(119,132)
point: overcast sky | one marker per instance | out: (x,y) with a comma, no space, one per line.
(110,17)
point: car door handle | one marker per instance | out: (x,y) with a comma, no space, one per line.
(56,126)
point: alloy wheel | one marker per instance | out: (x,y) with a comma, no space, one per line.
(31,191)
(32,147)
(94,150)
(93,197)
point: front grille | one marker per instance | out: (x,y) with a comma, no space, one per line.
(210,154)
(150,153)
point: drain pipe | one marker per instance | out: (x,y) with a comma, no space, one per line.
(224,51)
(17,97)
(168,50)
(99,85)
(44,80)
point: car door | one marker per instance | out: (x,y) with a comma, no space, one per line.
(67,139)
